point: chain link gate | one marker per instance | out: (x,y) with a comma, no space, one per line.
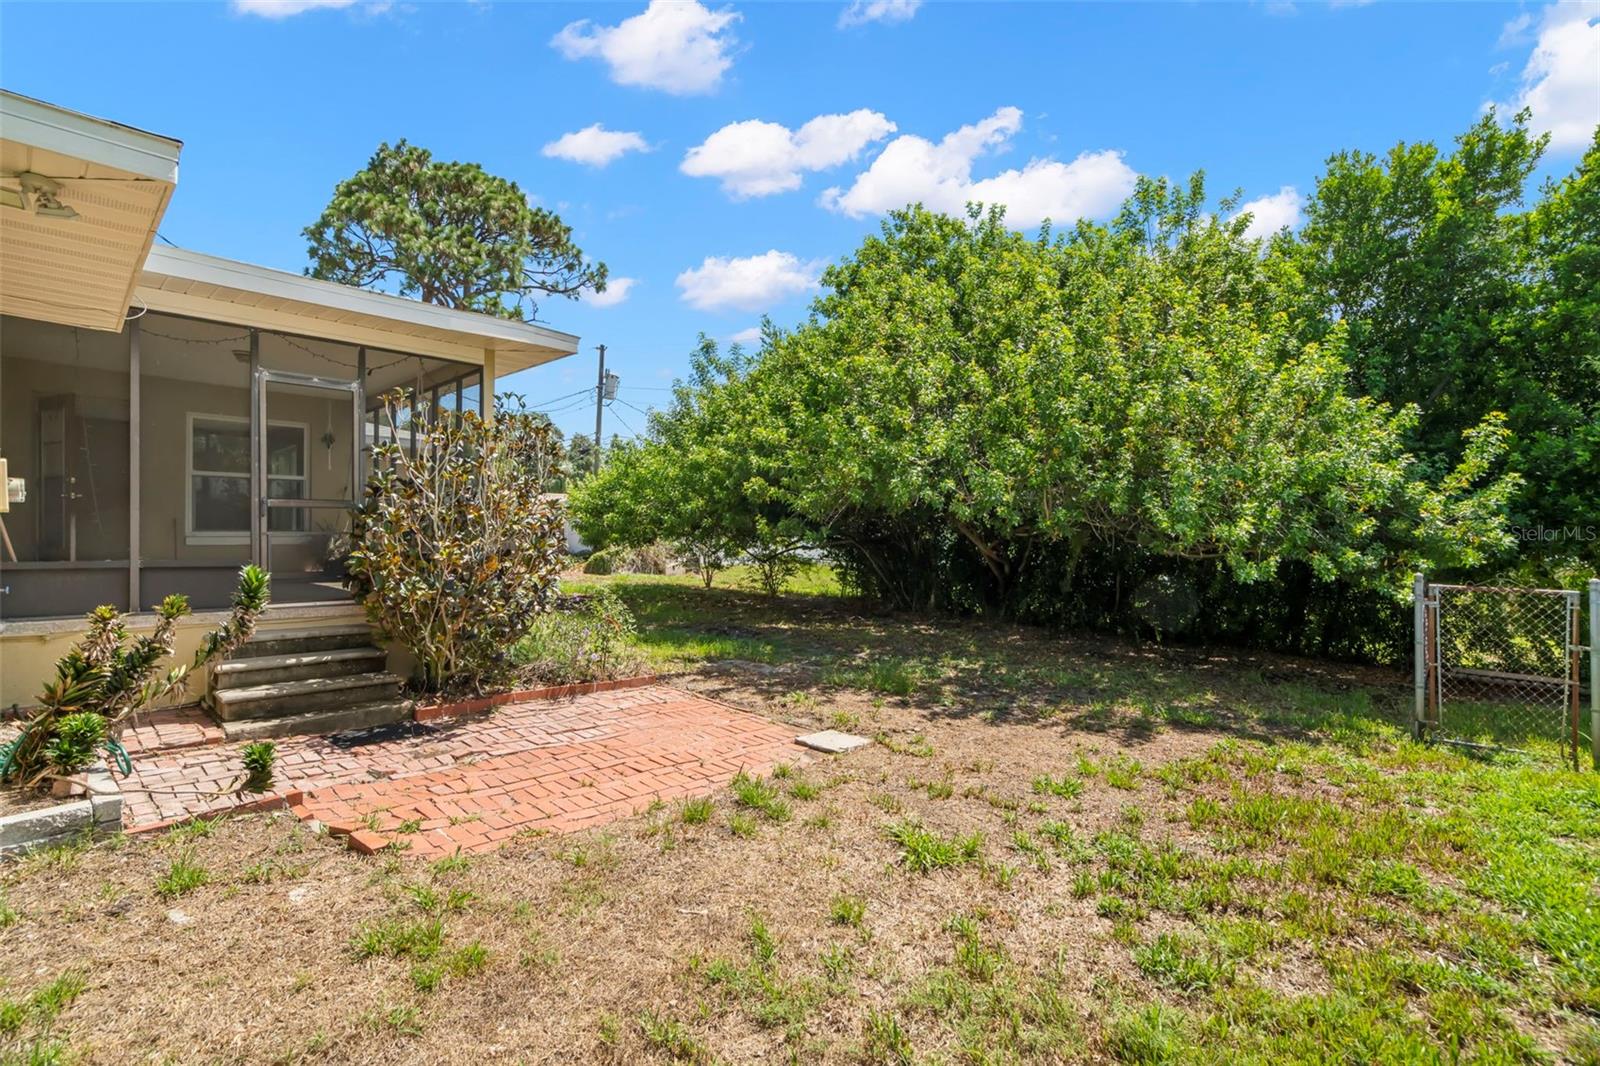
(1501,668)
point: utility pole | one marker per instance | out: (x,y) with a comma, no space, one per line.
(599,405)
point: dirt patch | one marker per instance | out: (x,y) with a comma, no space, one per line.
(18,801)
(782,924)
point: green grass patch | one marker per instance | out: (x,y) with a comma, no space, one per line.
(182,877)
(760,796)
(924,851)
(399,938)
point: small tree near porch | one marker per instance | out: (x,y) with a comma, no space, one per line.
(456,547)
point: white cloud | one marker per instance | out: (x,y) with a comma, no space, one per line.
(678,47)
(749,284)
(1561,83)
(863,11)
(913,169)
(282,9)
(755,158)
(1088,187)
(1515,31)
(594,146)
(1269,214)
(617,290)
(746,337)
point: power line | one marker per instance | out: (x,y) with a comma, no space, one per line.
(563,409)
(581,392)
(618,416)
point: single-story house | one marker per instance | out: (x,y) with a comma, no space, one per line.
(167,416)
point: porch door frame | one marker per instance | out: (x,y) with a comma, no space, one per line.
(261,380)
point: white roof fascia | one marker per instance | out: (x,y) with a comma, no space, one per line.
(247,277)
(95,140)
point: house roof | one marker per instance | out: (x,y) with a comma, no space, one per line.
(87,271)
(179,281)
(79,271)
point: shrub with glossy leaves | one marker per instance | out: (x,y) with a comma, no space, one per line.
(456,547)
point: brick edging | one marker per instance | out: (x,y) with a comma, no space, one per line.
(429,712)
(272,801)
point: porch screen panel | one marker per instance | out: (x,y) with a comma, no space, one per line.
(471,388)
(64,399)
(194,461)
(307,563)
(309,432)
(428,388)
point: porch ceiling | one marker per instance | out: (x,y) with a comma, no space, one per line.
(79,271)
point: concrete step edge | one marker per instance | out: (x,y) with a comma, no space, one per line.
(296,659)
(366,715)
(310,686)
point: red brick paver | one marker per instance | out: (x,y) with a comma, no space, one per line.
(169,729)
(474,783)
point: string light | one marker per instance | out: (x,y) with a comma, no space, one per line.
(290,341)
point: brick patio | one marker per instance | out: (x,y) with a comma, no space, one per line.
(468,783)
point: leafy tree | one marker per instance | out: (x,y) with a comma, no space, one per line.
(1454,299)
(456,547)
(686,486)
(975,420)
(580,457)
(1135,388)
(446,233)
(1560,454)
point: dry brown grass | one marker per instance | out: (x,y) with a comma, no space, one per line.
(641,943)
(256,977)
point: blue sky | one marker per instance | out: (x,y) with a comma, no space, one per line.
(704,185)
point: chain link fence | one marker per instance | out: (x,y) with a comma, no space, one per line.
(1501,668)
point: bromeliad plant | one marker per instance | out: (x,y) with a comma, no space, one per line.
(259,759)
(110,676)
(456,547)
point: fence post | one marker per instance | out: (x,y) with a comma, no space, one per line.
(1419,618)
(1594,673)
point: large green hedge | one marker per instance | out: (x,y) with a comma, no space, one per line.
(1161,422)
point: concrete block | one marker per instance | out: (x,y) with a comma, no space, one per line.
(46,825)
(832,741)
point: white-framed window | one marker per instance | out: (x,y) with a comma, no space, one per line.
(218,475)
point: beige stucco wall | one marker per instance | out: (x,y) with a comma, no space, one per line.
(29,649)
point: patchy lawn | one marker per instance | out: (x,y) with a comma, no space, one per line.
(1057,850)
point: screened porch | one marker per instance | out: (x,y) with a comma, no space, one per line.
(161,458)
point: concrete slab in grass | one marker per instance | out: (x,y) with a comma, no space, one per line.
(832,742)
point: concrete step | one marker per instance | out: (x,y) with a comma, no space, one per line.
(303,697)
(276,669)
(357,716)
(300,641)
